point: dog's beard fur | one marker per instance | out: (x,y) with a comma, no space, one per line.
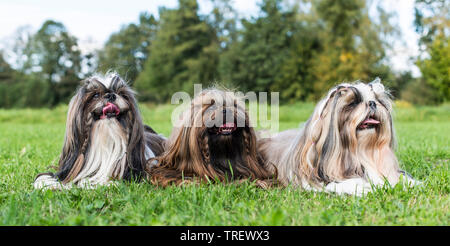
(106,157)
(349,135)
(199,151)
(105,138)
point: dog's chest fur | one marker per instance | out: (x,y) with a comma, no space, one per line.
(106,155)
(227,152)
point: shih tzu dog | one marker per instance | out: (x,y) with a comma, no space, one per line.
(105,138)
(212,141)
(346,146)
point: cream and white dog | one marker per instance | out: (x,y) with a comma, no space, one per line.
(346,146)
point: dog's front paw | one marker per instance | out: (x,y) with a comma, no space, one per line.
(356,186)
(408,180)
(47,181)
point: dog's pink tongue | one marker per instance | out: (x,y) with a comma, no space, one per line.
(227,128)
(228,125)
(371,121)
(110,108)
(368,122)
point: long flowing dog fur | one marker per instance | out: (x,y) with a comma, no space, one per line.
(193,153)
(341,147)
(98,148)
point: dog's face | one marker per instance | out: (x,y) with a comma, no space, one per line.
(222,119)
(214,140)
(225,133)
(363,113)
(106,101)
(350,132)
(222,124)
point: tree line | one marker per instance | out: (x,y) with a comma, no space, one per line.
(299,48)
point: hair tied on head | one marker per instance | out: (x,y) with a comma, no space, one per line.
(376,80)
(376,85)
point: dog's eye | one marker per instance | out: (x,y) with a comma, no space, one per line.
(124,95)
(96,95)
(353,104)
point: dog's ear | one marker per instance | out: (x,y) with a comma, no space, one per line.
(74,137)
(135,130)
(136,141)
(377,86)
(324,104)
(385,98)
(381,93)
(320,146)
(327,143)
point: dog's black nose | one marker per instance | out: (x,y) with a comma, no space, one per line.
(111,97)
(372,105)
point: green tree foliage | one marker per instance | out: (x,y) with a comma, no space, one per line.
(400,83)
(352,44)
(21,90)
(6,81)
(295,80)
(53,56)
(432,18)
(223,19)
(184,52)
(433,24)
(126,51)
(5,69)
(254,61)
(298,48)
(436,69)
(48,68)
(304,49)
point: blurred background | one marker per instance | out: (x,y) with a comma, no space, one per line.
(299,48)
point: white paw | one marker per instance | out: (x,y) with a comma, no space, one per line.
(408,180)
(47,181)
(356,186)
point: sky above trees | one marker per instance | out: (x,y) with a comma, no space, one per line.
(92,22)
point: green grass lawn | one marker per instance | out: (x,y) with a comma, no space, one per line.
(31,140)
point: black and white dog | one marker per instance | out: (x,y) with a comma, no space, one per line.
(105,138)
